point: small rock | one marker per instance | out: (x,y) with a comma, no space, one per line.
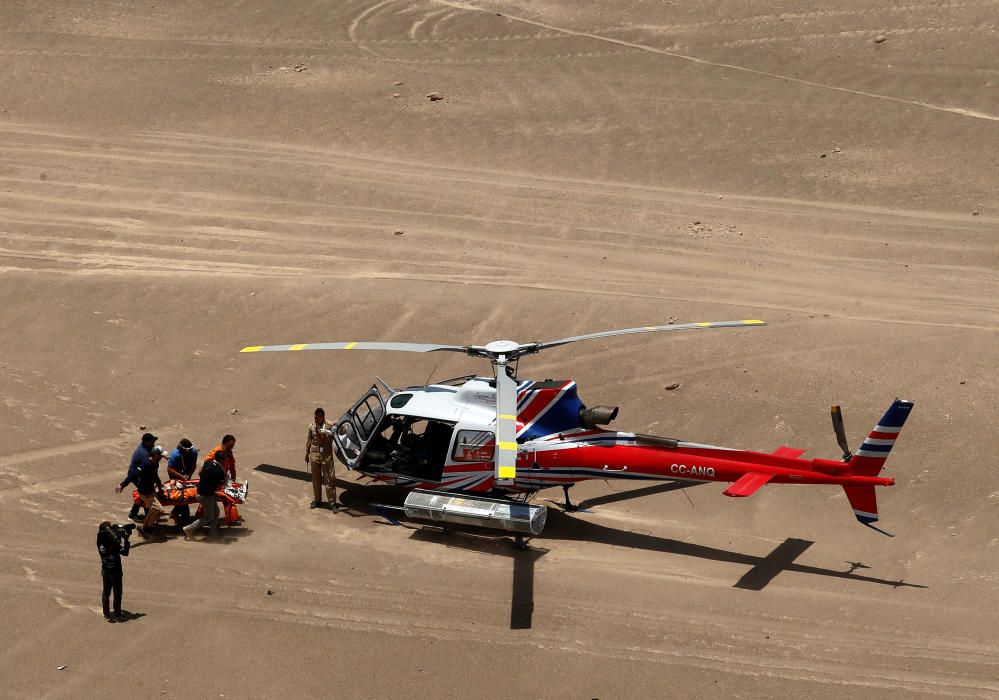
(142,427)
(299,68)
(975,213)
(836,149)
(720,197)
(61,668)
(695,223)
(234,411)
(398,233)
(398,82)
(879,38)
(396,94)
(964,381)
(822,155)
(671,387)
(435,96)
(270,592)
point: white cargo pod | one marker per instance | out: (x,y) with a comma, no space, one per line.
(496,513)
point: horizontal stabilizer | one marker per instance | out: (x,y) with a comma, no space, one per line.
(747,484)
(785,451)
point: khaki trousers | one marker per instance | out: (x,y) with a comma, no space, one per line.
(323,472)
(153,509)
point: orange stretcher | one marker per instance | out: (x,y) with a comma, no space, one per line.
(179,493)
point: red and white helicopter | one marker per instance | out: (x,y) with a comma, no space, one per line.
(507,437)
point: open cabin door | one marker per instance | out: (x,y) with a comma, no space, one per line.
(356,427)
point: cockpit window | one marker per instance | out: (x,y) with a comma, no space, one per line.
(400,400)
(474,446)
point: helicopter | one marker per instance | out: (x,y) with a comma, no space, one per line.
(508,438)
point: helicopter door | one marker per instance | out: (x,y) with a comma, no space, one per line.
(357,426)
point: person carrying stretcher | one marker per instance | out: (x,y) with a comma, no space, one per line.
(181,464)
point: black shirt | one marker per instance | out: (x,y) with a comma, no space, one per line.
(148,478)
(111,552)
(212,475)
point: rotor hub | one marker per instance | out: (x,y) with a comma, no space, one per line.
(502,347)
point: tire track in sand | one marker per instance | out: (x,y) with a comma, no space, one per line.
(727,66)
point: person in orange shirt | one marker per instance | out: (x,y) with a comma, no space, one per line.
(222,454)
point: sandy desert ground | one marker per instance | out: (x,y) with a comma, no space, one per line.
(180,179)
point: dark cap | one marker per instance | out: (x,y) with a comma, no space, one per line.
(186,444)
(149,436)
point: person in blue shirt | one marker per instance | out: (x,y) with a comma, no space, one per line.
(181,465)
(139,457)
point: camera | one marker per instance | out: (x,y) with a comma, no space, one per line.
(121,532)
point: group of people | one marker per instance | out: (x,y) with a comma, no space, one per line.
(218,468)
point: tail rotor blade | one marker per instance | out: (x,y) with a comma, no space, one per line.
(837,420)
(506,426)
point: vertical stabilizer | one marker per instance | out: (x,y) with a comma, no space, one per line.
(870,457)
(864,502)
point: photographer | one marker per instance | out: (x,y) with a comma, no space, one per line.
(112,545)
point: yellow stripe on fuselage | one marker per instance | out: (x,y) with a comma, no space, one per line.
(252,348)
(508,446)
(300,346)
(505,416)
(349,346)
(508,472)
(753,321)
(705,324)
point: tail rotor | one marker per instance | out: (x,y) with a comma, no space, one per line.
(837,420)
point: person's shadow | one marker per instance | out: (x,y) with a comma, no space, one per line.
(128,616)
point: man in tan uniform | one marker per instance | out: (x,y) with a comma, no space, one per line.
(319,457)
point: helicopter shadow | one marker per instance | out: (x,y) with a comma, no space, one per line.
(362,501)
(564,526)
(522,588)
(763,569)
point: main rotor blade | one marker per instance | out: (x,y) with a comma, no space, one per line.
(651,329)
(506,426)
(403,347)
